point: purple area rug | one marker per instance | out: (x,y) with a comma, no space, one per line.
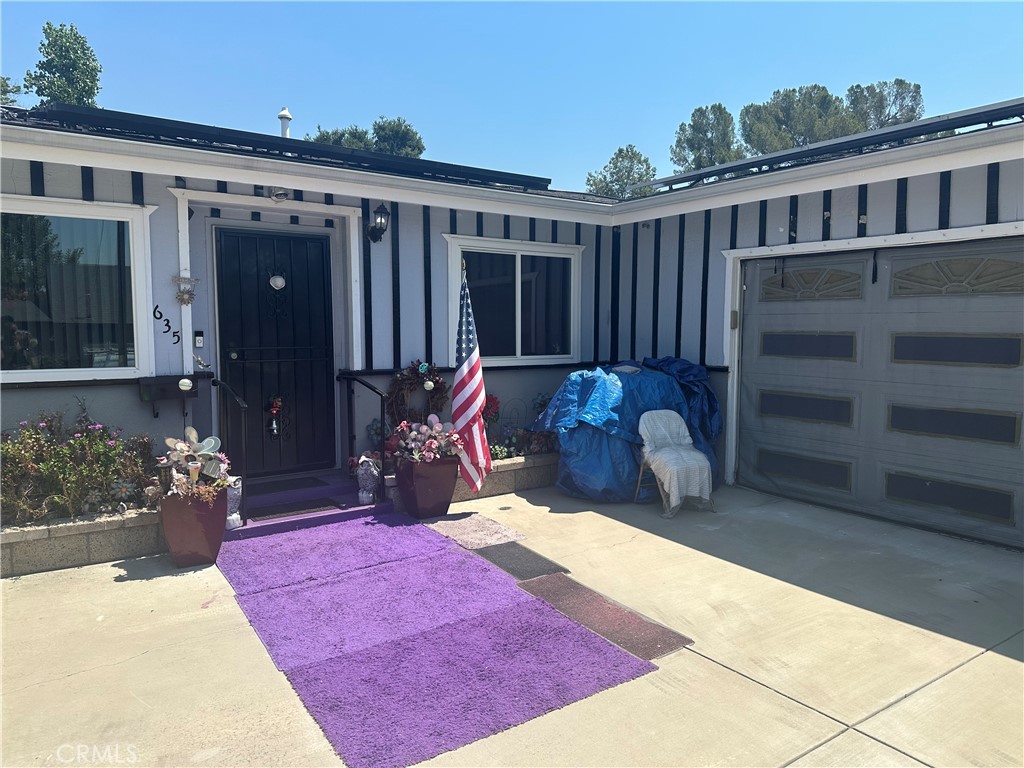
(402,645)
(324,552)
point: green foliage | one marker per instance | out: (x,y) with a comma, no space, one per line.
(887,102)
(390,135)
(28,248)
(51,470)
(709,139)
(9,91)
(69,72)
(796,117)
(625,168)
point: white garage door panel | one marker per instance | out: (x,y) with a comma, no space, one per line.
(890,383)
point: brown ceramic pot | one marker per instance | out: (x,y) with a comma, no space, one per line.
(426,487)
(193,529)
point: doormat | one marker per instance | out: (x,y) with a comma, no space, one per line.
(629,630)
(259,487)
(474,531)
(287,508)
(419,652)
(521,562)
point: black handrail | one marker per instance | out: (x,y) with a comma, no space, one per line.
(349,377)
(243,406)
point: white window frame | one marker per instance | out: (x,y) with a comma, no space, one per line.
(137,218)
(518,248)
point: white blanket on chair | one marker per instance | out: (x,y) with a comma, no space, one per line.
(682,471)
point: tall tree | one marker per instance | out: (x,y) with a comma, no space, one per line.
(390,135)
(9,91)
(625,168)
(795,117)
(887,102)
(708,139)
(69,72)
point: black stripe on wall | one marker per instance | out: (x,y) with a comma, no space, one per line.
(704,288)
(222,186)
(633,290)
(616,274)
(255,215)
(179,182)
(428,310)
(329,223)
(762,223)
(901,205)
(297,195)
(826,215)
(215,213)
(479,227)
(328,199)
(138,196)
(367,290)
(734,225)
(597,291)
(679,284)
(533,229)
(453,221)
(945,182)
(554,231)
(294,219)
(579,233)
(794,214)
(657,283)
(396,291)
(88,188)
(506,225)
(862,210)
(992,195)
(35,172)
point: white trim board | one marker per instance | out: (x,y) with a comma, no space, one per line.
(734,298)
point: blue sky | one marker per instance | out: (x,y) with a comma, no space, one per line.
(538,88)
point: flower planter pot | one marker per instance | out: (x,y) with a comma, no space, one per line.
(193,529)
(426,487)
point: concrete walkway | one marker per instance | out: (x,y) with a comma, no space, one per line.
(821,639)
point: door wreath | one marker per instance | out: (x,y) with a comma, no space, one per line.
(416,378)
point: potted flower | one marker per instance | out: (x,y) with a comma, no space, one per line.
(428,465)
(194,504)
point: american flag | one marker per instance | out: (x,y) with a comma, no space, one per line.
(468,397)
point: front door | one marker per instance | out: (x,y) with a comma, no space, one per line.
(276,351)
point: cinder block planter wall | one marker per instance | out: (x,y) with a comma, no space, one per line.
(84,541)
(511,475)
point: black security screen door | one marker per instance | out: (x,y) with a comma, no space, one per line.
(274,307)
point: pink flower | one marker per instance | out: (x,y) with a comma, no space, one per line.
(22,423)
(78,434)
(42,424)
(111,442)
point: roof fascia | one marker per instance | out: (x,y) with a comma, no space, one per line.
(21,143)
(978,148)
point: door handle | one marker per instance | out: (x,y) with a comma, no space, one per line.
(233,355)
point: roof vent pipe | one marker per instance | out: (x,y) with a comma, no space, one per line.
(285,117)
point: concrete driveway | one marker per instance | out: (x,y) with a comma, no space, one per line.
(821,639)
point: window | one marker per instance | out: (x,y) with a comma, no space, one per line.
(72,291)
(525,298)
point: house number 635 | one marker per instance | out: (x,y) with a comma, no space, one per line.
(158,316)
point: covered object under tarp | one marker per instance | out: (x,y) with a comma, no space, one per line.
(596,416)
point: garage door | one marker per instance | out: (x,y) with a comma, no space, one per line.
(889,382)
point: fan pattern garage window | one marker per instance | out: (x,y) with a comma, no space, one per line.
(66,292)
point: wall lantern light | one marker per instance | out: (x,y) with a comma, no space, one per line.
(381,218)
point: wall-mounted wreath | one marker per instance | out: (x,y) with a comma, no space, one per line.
(404,392)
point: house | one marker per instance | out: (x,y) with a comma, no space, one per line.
(859,302)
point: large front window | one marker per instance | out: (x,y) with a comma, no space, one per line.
(67,294)
(524,297)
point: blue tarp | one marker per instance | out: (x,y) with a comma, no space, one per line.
(596,416)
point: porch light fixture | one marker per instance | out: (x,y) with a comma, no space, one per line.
(381,218)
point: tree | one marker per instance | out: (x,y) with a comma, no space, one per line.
(352,137)
(887,102)
(391,136)
(709,139)
(626,167)
(69,72)
(795,117)
(9,91)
